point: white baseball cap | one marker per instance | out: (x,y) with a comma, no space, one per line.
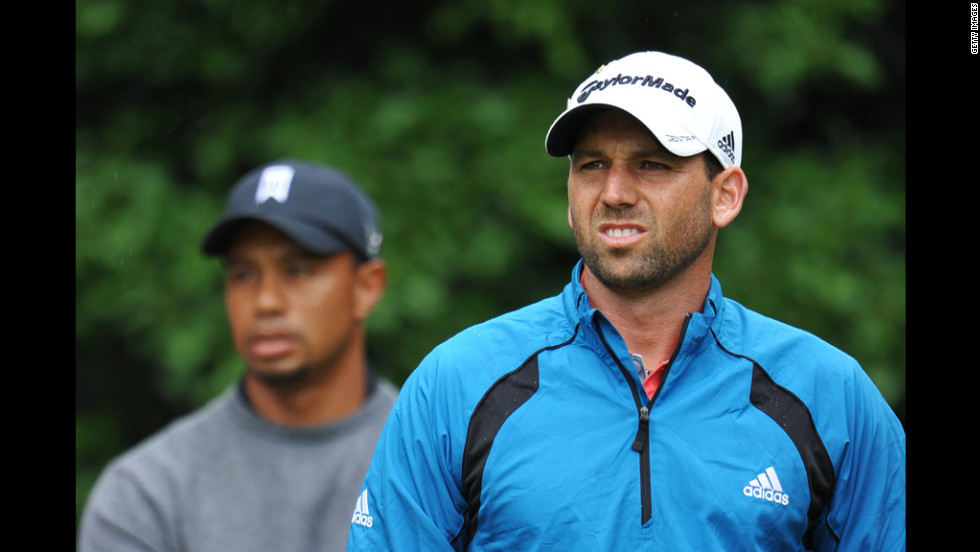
(677,100)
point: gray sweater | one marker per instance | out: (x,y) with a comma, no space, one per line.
(221,479)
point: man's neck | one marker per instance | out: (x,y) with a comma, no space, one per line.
(320,399)
(649,322)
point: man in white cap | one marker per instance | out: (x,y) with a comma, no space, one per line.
(274,462)
(639,409)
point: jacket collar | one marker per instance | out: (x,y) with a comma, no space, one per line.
(579,311)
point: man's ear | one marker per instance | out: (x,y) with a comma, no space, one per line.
(370,280)
(728,189)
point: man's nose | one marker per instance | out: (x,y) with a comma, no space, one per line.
(270,296)
(620,187)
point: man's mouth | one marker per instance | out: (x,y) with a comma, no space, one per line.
(620,235)
(270,346)
(621,232)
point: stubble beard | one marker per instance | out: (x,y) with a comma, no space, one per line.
(644,268)
(305,372)
(282,380)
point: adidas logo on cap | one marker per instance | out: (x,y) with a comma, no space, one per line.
(727,145)
(766,487)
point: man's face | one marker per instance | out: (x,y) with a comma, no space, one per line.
(640,214)
(292,314)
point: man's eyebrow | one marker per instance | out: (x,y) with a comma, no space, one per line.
(585,153)
(650,152)
(298,254)
(229,261)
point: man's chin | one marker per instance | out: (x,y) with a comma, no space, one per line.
(283,378)
(624,276)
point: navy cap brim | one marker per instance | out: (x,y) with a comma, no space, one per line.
(220,238)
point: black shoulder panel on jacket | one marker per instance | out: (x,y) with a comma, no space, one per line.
(505,396)
(787,410)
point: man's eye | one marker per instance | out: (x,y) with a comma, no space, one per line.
(299,269)
(653,165)
(239,275)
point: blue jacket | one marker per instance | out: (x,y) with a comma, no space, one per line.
(532,432)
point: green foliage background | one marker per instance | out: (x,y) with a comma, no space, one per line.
(439,108)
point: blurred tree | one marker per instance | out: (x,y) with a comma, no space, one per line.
(439,108)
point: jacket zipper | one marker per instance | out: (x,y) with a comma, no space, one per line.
(642,439)
(640,445)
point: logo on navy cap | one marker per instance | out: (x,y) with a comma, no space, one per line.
(274,184)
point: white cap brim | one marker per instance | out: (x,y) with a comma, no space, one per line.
(563,134)
(675,99)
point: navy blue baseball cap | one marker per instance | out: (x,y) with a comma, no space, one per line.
(317,206)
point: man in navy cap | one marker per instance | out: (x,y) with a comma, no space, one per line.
(276,461)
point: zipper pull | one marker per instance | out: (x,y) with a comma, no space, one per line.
(642,432)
